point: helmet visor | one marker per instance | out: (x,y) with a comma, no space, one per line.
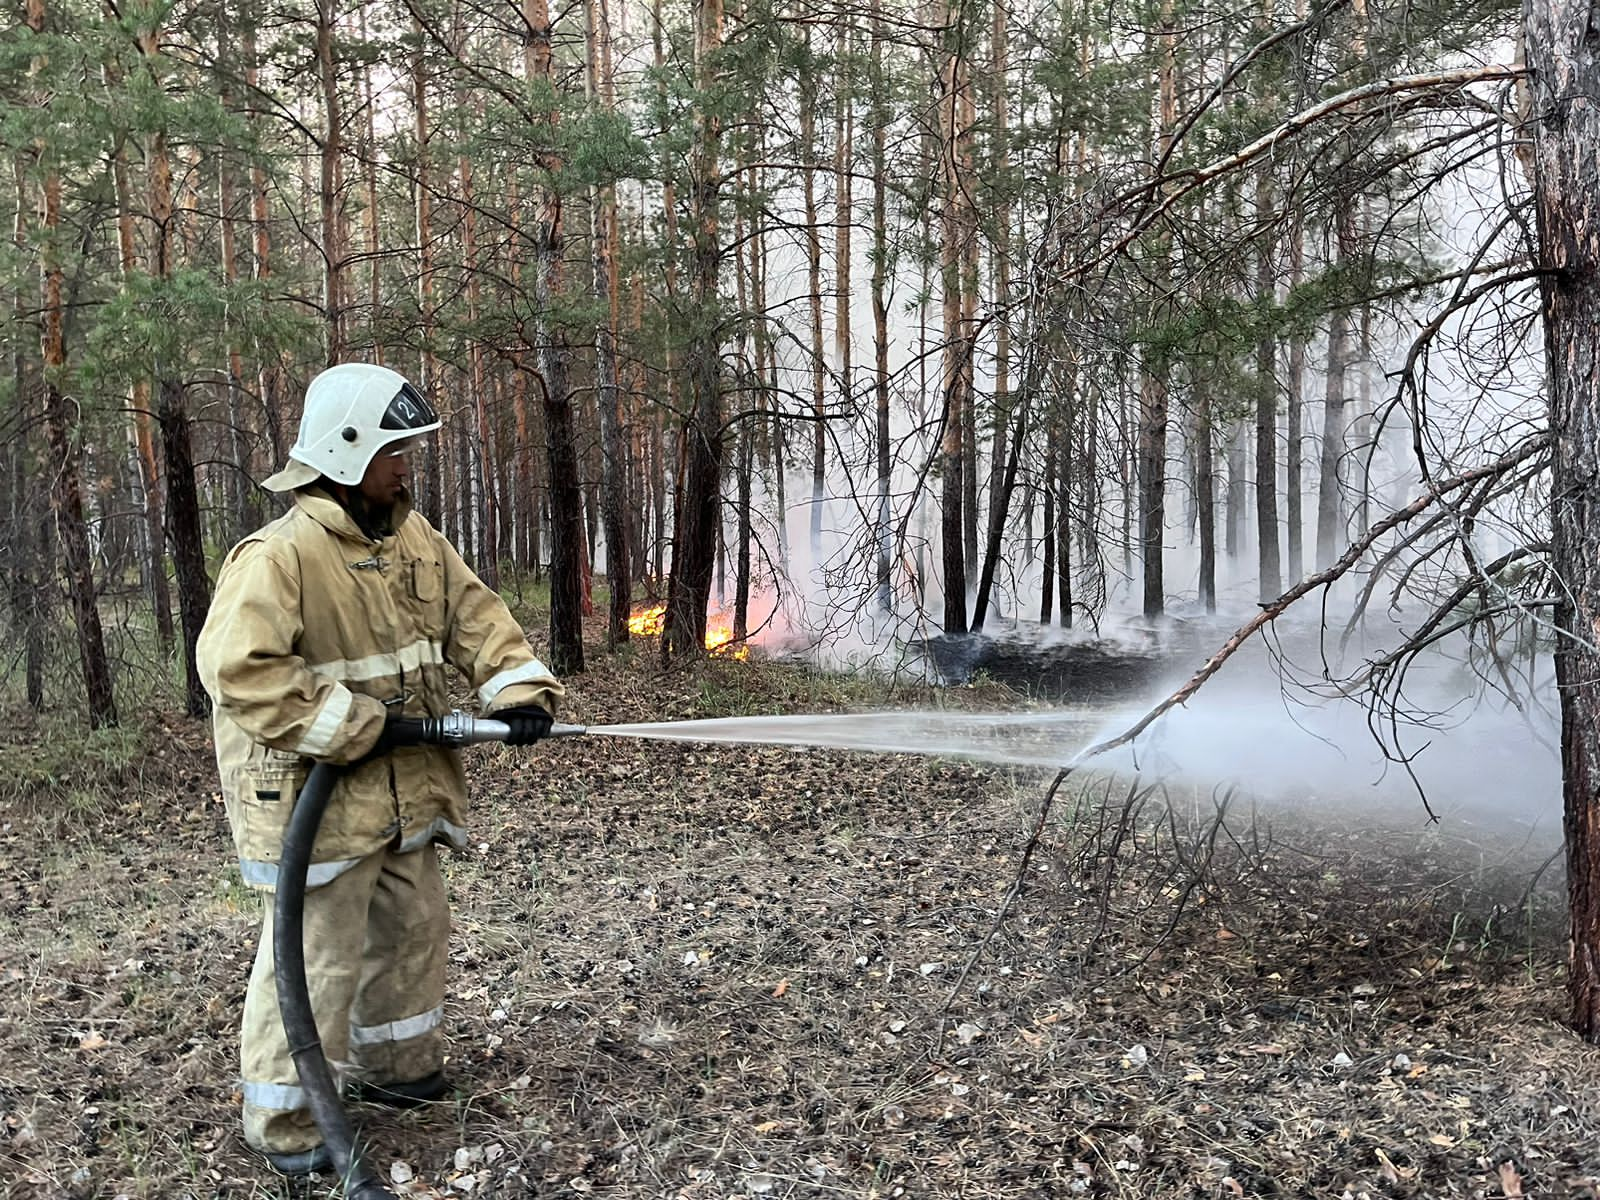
(408,410)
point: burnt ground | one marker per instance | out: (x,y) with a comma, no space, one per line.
(704,972)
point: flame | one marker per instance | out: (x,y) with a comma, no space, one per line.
(648,622)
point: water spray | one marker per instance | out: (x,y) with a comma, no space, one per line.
(988,737)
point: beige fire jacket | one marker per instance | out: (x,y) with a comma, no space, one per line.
(315,634)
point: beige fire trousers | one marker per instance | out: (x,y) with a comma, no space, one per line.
(375,943)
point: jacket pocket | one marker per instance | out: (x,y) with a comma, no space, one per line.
(271,785)
(259,803)
(427,581)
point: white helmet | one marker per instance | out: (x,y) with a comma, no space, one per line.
(351,412)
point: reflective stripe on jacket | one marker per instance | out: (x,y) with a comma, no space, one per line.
(316,633)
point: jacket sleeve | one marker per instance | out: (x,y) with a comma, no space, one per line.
(247,660)
(484,642)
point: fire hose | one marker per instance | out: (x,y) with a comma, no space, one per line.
(288,944)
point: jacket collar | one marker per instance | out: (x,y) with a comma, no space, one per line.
(331,515)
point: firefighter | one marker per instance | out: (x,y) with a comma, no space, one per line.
(343,612)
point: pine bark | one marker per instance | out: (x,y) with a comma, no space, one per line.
(268,375)
(1153,388)
(1234,497)
(1268,564)
(695,546)
(328,183)
(1000,252)
(1047,574)
(25,520)
(608,393)
(488,507)
(437,451)
(1330,487)
(671,363)
(241,487)
(140,431)
(999,513)
(953,376)
(819,366)
(966,214)
(1205,486)
(880,310)
(184,526)
(565,487)
(1294,422)
(62,433)
(844,125)
(1565,126)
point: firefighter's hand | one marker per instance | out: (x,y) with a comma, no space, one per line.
(528,724)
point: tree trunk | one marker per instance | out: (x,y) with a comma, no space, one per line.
(155,563)
(741,583)
(1293,420)
(952,525)
(437,452)
(566,511)
(965,190)
(999,510)
(880,309)
(268,375)
(695,546)
(241,487)
(1234,498)
(1269,570)
(1205,486)
(488,507)
(1330,499)
(565,491)
(670,363)
(1152,475)
(1047,576)
(1153,388)
(25,520)
(1566,128)
(188,539)
(613,455)
(1362,425)
(1000,253)
(767,366)
(844,125)
(1063,525)
(819,372)
(328,183)
(184,528)
(1331,510)
(369,180)
(61,433)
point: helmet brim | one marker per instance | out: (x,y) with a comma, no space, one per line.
(295,474)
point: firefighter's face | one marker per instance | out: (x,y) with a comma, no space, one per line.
(385,479)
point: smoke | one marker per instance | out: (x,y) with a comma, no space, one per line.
(1459,754)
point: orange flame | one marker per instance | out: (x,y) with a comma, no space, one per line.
(648,622)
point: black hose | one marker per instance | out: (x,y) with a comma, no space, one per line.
(294,997)
(288,935)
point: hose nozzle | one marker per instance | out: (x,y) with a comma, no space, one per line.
(457,728)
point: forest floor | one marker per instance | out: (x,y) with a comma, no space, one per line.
(681,971)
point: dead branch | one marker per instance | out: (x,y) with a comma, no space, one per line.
(1176,186)
(1271,611)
